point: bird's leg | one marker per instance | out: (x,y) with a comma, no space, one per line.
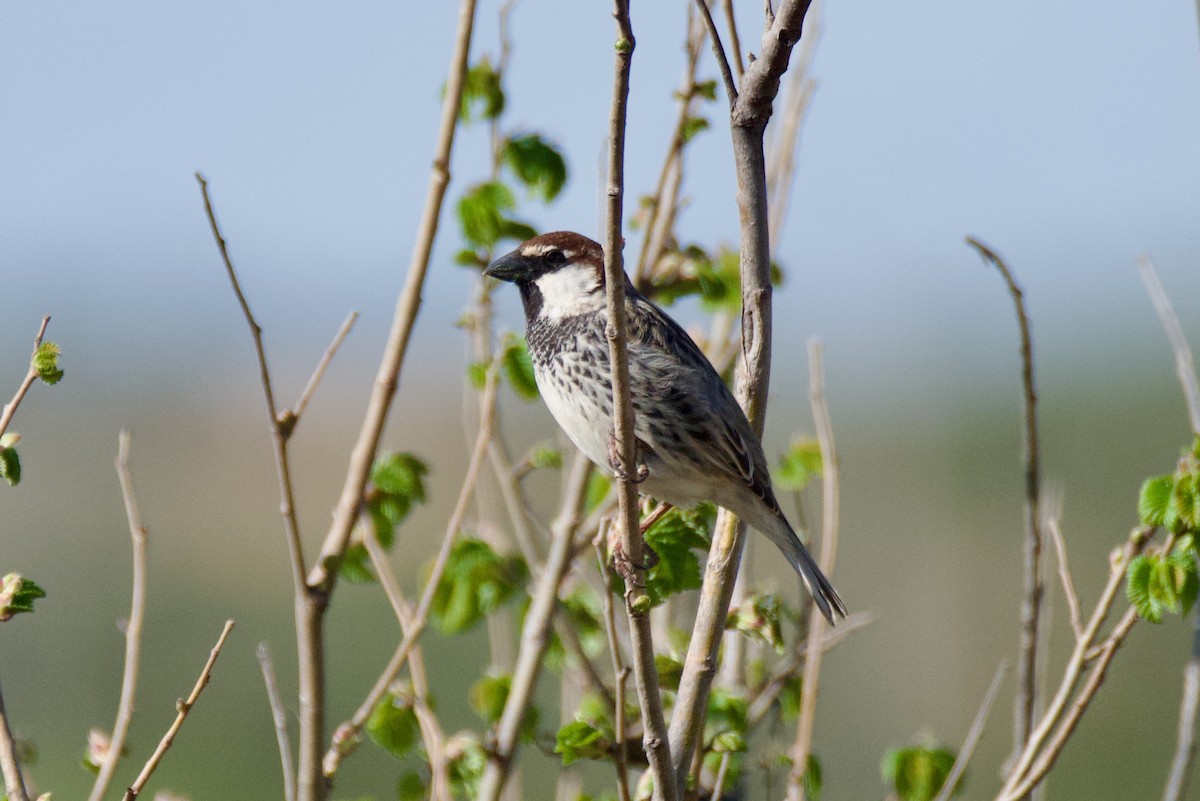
(614,461)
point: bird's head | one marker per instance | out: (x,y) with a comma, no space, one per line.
(560,274)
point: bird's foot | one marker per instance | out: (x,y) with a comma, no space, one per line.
(627,569)
(614,462)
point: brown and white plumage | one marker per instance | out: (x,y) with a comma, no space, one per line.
(693,437)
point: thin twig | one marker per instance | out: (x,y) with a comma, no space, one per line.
(1185,367)
(620,671)
(976,731)
(346,734)
(735,41)
(432,734)
(322,365)
(1064,575)
(1026,696)
(14,782)
(750,111)
(830,508)
(133,627)
(637,606)
(535,637)
(1189,708)
(719,782)
(183,708)
(718,49)
(1031,758)
(279,718)
(10,408)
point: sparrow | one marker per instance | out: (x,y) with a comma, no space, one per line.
(694,442)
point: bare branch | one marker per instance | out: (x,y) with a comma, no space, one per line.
(1189,706)
(735,41)
(1064,575)
(1185,367)
(319,372)
(346,736)
(10,408)
(183,707)
(10,763)
(973,735)
(324,572)
(714,35)
(749,113)
(1026,695)
(830,508)
(535,637)
(279,718)
(637,605)
(620,671)
(133,626)
(1039,751)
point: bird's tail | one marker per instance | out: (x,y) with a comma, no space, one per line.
(823,593)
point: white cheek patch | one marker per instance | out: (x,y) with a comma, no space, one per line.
(570,291)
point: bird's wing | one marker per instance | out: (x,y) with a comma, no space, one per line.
(731,446)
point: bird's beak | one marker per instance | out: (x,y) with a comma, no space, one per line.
(510,267)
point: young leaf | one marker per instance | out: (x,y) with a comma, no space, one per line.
(800,465)
(397,484)
(480,213)
(691,127)
(578,740)
(488,696)
(393,724)
(45,362)
(597,490)
(812,778)
(477,580)
(670,671)
(759,617)
(536,163)
(411,786)
(482,93)
(467,760)
(1154,498)
(356,565)
(518,367)
(546,458)
(918,773)
(10,466)
(675,538)
(17,595)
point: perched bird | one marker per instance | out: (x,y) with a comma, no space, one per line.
(692,436)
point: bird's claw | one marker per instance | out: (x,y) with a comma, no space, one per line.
(627,569)
(614,462)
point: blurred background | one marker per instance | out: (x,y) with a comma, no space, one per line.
(1065,135)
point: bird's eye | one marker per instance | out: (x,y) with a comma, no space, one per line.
(555,257)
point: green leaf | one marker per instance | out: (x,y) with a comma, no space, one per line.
(759,617)
(813,781)
(918,773)
(482,95)
(477,374)
(477,581)
(729,742)
(691,127)
(17,595)
(488,696)
(480,213)
(515,229)
(518,367)
(397,484)
(578,740)
(670,671)
(468,257)
(1184,507)
(10,466)
(597,490)
(411,786)
(546,458)
(675,539)
(536,163)
(1157,584)
(1154,499)
(356,565)
(800,465)
(727,711)
(45,362)
(706,89)
(467,760)
(393,724)
(789,697)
